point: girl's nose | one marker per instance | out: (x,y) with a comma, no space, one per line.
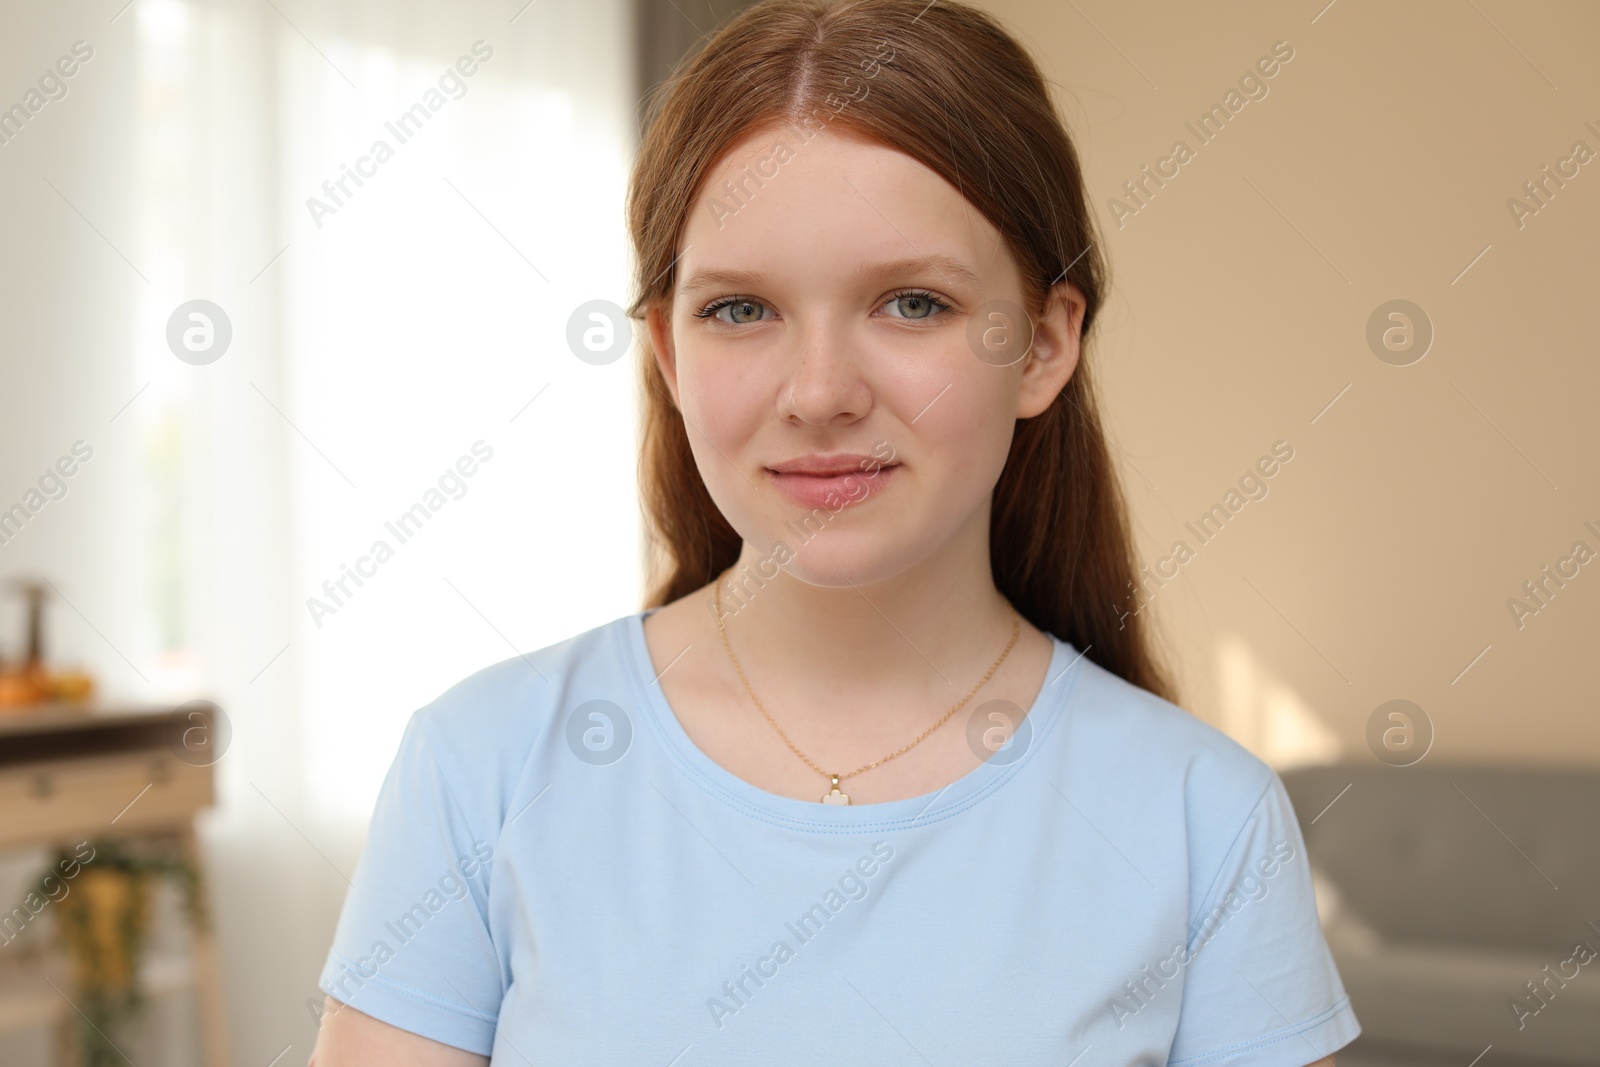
(825,377)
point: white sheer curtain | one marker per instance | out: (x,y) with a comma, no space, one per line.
(424,336)
(373,346)
(423,314)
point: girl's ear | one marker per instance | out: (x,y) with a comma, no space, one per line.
(661,346)
(1056,348)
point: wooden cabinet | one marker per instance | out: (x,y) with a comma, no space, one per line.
(86,773)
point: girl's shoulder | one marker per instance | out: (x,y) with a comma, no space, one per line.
(1152,747)
(493,721)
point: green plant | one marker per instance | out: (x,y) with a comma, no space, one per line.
(101,923)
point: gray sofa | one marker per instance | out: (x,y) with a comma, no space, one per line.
(1444,891)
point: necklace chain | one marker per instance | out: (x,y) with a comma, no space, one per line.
(1016,629)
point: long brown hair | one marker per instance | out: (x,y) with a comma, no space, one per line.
(945,84)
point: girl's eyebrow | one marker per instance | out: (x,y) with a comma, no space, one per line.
(733,279)
(954,269)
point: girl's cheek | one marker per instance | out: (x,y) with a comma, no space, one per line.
(969,396)
(725,406)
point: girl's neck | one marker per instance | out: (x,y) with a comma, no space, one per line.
(931,629)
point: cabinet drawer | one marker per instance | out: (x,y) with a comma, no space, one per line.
(78,799)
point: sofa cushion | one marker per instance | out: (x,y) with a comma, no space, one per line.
(1447,996)
(1443,854)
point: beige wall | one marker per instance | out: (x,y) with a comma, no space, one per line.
(1377,167)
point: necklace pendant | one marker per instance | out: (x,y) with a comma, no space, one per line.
(835,797)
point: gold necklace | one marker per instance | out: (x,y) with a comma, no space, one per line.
(836,797)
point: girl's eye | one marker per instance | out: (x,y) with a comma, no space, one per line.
(914,304)
(739,310)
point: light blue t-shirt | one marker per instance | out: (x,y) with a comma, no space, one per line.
(556,874)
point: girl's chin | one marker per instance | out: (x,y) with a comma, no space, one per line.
(811,551)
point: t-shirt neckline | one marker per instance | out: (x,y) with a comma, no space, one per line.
(792,813)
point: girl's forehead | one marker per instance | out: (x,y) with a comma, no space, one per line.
(781,144)
(790,191)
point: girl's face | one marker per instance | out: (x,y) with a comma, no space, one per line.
(845,347)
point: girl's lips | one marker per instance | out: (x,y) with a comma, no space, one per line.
(834,490)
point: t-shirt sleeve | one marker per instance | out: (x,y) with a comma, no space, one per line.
(1261,988)
(412,947)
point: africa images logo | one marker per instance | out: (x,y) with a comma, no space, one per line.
(851,885)
(404,127)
